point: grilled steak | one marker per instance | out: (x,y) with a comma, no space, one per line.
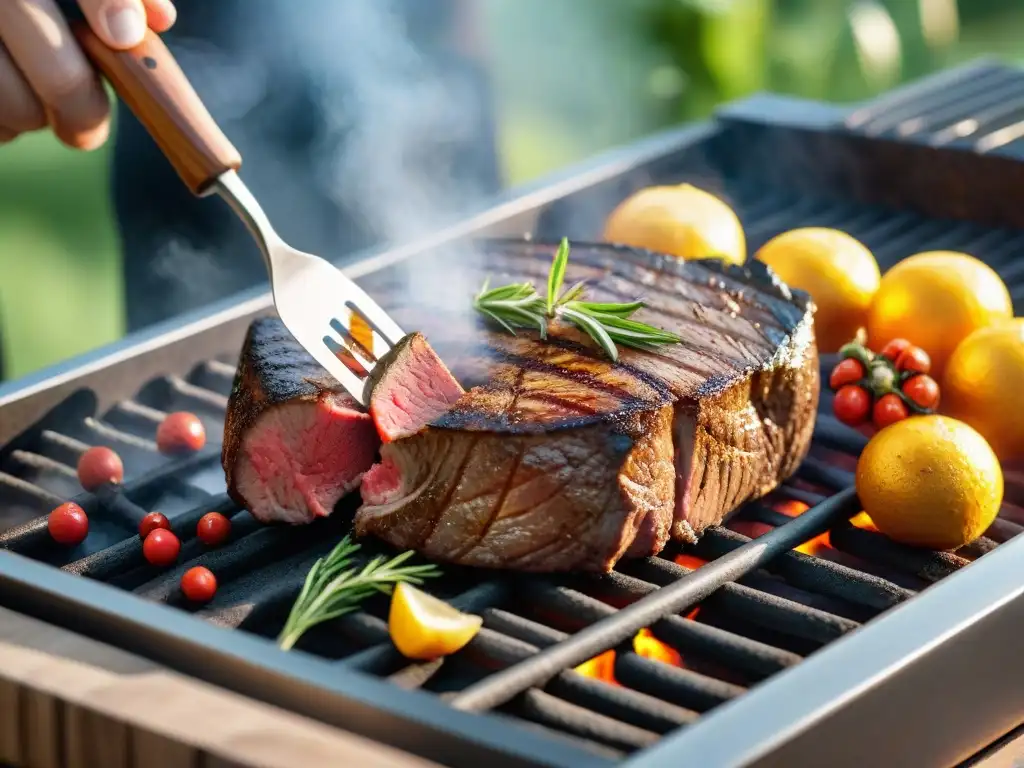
(563,460)
(294,441)
(412,388)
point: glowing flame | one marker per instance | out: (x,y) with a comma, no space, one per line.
(815,545)
(600,667)
(647,645)
(821,542)
(861,520)
(689,561)
(790,507)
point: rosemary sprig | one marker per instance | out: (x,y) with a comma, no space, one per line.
(333,588)
(520,306)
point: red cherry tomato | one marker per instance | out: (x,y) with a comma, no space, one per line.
(922,390)
(99,465)
(151,522)
(161,547)
(68,524)
(888,410)
(915,360)
(852,404)
(894,349)
(848,371)
(180,432)
(199,584)
(213,529)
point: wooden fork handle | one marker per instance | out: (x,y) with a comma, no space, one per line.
(150,82)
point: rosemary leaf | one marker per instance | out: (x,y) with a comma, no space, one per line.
(573,293)
(518,305)
(620,310)
(591,326)
(333,588)
(556,276)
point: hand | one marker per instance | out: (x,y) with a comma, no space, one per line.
(46,80)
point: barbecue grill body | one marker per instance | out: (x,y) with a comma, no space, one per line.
(926,683)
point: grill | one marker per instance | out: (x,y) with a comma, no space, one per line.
(792,635)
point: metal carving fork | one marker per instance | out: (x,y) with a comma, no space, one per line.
(328,314)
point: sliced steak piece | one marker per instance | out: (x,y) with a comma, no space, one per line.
(412,388)
(294,441)
(563,460)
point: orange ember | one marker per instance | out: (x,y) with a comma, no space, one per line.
(815,545)
(750,528)
(861,520)
(790,507)
(600,667)
(690,561)
(647,645)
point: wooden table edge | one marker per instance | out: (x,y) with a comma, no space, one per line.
(69,701)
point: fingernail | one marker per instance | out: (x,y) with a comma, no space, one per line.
(125,25)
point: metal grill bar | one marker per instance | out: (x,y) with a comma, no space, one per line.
(688,591)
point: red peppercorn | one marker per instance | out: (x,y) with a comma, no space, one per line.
(922,391)
(180,432)
(914,360)
(161,547)
(894,349)
(848,371)
(99,465)
(852,404)
(151,522)
(68,524)
(888,410)
(199,584)
(213,529)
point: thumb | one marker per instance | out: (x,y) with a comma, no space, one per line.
(121,24)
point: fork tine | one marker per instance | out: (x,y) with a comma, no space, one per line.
(371,312)
(353,382)
(351,346)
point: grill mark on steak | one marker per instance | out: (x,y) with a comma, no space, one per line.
(454,487)
(568,405)
(496,509)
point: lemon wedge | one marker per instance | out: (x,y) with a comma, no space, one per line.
(423,627)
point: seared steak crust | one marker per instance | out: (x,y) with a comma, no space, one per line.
(561,459)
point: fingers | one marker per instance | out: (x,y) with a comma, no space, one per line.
(55,68)
(20,110)
(161,14)
(121,24)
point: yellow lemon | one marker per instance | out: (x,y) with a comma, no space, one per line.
(983,385)
(839,272)
(936,300)
(930,481)
(682,221)
(423,627)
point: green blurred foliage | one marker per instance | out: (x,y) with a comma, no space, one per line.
(572,77)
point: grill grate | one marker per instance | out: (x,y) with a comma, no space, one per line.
(717,618)
(758,613)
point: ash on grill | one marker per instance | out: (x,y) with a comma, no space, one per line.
(602,665)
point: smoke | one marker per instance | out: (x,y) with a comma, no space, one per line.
(388,114)
(352,135)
